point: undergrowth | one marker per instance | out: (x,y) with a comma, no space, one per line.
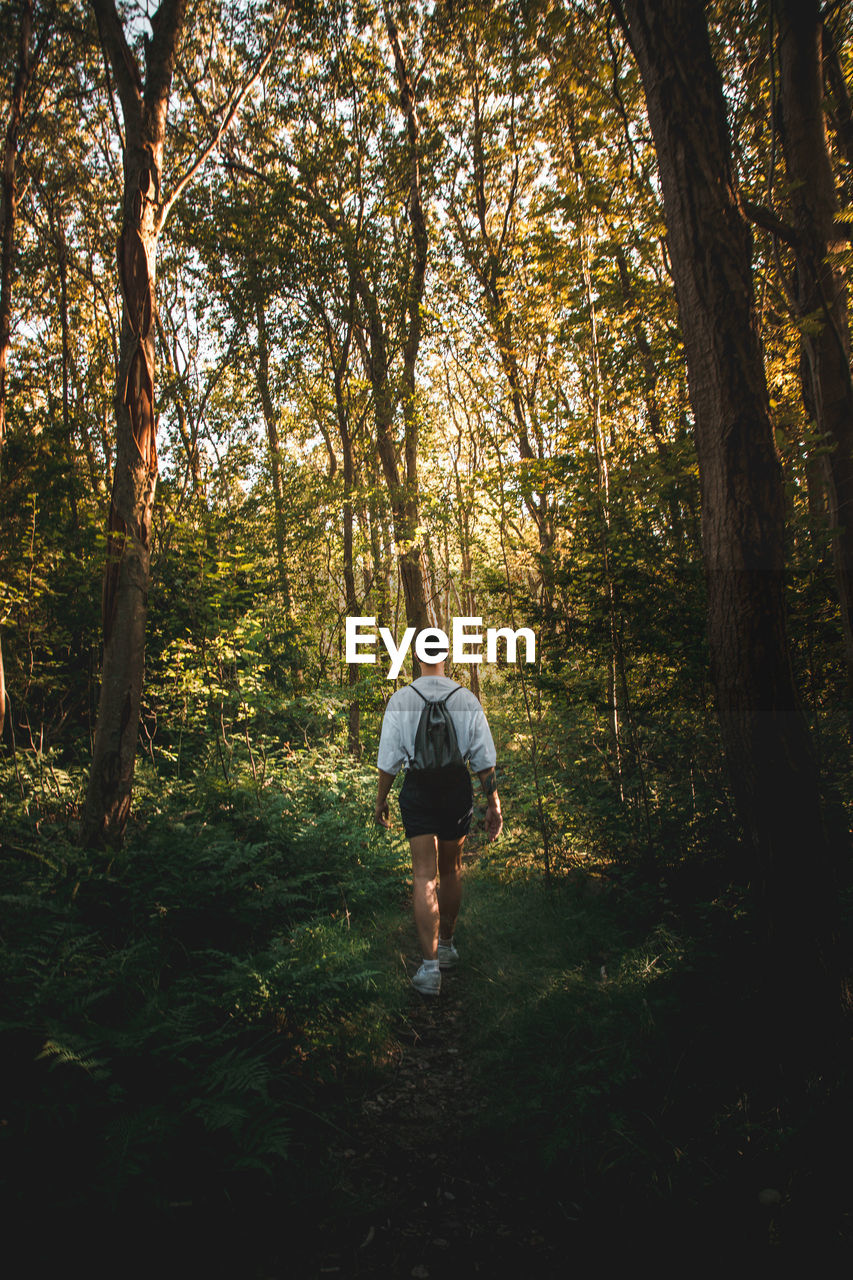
(187,1026)
(171,1015)
(619,1038)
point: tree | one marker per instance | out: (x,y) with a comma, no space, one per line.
(7,238)
(773,775)
(369,199)
(821,298)
(145,105)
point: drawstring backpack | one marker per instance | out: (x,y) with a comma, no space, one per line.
(436,748)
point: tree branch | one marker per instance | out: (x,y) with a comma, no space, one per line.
(166,23)
(415,286)
(118,55)
(765,218)
(238,97)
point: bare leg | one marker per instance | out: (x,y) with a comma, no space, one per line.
(450,884)
(424,874)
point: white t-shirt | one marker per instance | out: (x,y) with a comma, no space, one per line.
(403,713)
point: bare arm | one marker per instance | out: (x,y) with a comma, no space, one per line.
(494,817)
(384,786)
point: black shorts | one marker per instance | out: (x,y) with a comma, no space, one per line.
(442,806)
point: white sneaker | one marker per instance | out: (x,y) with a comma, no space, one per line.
(448,956)
(427,981)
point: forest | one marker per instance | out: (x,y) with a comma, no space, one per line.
(521,316)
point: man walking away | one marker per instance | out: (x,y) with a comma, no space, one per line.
(436,800)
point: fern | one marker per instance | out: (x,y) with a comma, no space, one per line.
(189,1003)
(238,1071)
(59,1054)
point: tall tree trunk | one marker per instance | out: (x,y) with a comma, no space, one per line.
(262,379)
(372,517)
(412,557)
(839,103)
(339,355)
(126,579)
(821,293)
(353,673)
(403,498)
(464,521)
(401,473)
(773,774)
(602,476)
(617,674)
(353,733)
(7,243)
(67,433)
(10,198)
(376,349)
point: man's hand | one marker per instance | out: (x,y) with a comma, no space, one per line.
(494,817)
(381,814)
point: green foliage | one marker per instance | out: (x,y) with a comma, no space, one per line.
(614,1031)
(176,1011)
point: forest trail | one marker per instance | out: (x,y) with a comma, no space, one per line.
(438,1199)
(437,1204)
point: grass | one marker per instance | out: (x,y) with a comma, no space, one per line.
(618,1040)
(565,989)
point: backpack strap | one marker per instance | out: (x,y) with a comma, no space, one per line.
(446,697)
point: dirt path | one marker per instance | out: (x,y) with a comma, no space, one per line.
(429,1194)
(436,1203)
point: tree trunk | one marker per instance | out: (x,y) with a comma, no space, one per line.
(372,515)
(773,774)
(67,432)
(617,674)
(406,513)
(126,579)
(10,198)
(463,527)
(339,354)
(412,562)
(403,497)
(376,351)
(821,294)
(7,244)
(402,484)
(841,111)
(353,674)
(262,378)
